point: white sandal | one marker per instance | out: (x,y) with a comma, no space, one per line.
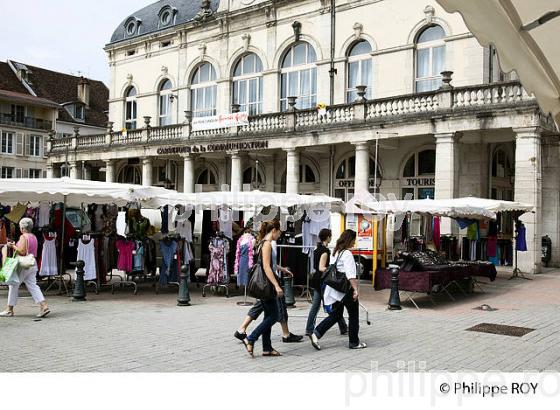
(7,313)
(44,313)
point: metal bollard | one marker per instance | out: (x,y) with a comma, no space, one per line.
(394,299)
(289,291)
(184,298)
(79,294)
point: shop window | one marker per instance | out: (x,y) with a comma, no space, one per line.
(418,175)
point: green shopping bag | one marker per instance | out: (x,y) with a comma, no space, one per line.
(9,274)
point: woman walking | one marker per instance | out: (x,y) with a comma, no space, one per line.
(344,260)
(270,231)
(27,244)
(321,258)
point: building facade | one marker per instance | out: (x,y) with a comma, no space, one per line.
(35,105)
(390,96)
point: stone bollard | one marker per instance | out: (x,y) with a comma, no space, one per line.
(79,294)
(184,298)
(394,299)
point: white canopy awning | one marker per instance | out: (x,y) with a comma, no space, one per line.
(468,208)
(525,34)
(246,201)
(76,191)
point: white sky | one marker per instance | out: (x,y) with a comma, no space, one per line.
(62,35)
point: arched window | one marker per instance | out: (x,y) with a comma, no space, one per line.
(131,109)
(345,177)
(299,76)
(203,91)
(248,84)
(502,176)
(430,58)
(418,176)
(130,174)
(207,177)
(253,177)
(359,70)
(165,103)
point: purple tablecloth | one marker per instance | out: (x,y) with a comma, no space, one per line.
(424,281)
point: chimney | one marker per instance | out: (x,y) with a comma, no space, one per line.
(83,91)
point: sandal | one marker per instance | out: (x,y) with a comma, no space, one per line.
(248,346)
(7,313)
(272,353)
(44,313)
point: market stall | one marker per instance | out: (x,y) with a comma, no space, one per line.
(74,219)
(426,269)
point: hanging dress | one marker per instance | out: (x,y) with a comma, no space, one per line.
(86,253)
(217,267)
(49,265)
(244,259)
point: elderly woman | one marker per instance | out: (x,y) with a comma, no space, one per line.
(27,244)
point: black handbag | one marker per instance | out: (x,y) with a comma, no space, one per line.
(335,278)
(259,286)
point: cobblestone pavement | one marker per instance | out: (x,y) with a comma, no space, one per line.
(149,333)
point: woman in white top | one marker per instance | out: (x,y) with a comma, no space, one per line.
(344,260)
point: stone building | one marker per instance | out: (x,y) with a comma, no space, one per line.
(35,104)
(413,104)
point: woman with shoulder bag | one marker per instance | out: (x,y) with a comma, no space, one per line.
(26,247)
(270,231)
(344,260)
(321,258)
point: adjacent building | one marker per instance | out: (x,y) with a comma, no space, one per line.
(391,96)
(37,104)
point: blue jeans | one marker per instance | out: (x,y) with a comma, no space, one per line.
(270,308)
(311,319)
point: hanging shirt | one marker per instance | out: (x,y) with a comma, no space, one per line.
(49,263)
(184,229)
(472,231)
(44,214)
(125,249)
(345,264)
(86,253)
(226,222)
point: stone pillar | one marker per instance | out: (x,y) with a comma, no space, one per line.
(292,171)
(551,195)
(50,170)
(73,170)
(147,171)
(361,180)
(86,171)
(110,170)
(188,174)
(447,171)
(528,189)
(236,172)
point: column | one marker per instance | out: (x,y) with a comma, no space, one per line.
(447,171)
(147,171)
(188,174)
(236,172)
(292,171)
(551,195)
(73,169)
(50,170)
(110,170)
(528,189)
(361,179)
(86,171)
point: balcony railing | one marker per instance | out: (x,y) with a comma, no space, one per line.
(26,122)
(443,101)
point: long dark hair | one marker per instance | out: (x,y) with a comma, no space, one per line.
(345,241)
(267,227)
